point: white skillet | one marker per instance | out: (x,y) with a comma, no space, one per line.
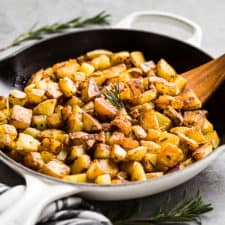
(41,189)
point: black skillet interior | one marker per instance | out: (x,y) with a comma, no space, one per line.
(15,70)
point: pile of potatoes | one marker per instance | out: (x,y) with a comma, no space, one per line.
(63,124)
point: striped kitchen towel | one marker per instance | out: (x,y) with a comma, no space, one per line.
(68,211)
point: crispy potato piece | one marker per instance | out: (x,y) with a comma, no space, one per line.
(136,87)
(136,111)
(146,96)
(67,86)
(94,170)
(39,75)
(137,172)
(202,151)
(190,100)
(139,132)
(213,138)
(153,134)
(206,127)
(27,143)
(170,155)
(137,58)
(103,179)
(165,70)
(98,52)
(55,168)
(166,137)
(35,96)
(123,125)
(196,134)
(104,108)
(149,120)
(53,90)
(164,101)
(87,68)
(100,62)
(164,87)
(194,118)
(148,67)
(74,122)
(76,151)
(47,156)
(137,154)
(20,117)
(82,138)
(66,69)
(149,162)
(102,151)
(180,82)
(81,164)
(116,138)
(39,122)
(118,153)
(74,100)
(32,131)
(3,102)
(46,107)
(90,123)
(129,143)
(120,57)
(33,160)
(51,144)
(53,133)
(90,91)
(163,121)
(152,147)
(82,178)
(17,97)
(154,175)
(55,120)
(7,129)
(109,167)
(62,155)
(175,116)
(190,143)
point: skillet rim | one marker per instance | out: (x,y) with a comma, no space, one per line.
(12,163)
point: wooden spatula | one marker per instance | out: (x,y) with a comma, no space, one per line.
(205,79)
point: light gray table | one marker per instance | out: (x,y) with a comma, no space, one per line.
(18,16)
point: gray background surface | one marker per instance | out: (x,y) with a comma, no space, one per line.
(18,16)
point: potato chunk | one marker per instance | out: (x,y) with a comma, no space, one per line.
(55,168)
(139,132)
(104,108)
(27,143)
(46,107)
(164,70)
(20,117)
(137,154)
(170,155)
(137,58)
(81,177)
(149,120)
(103,179)
(80,164)
(118,153)
(33,160)
(67,86)
(90,123)
(203,151)
(17,97)
(90,90)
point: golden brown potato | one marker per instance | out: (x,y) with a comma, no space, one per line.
(100,62)
(98,52)
(137,58)
(170,155)
(102,151)
(120,57)
(82,177)
(203,151)
(154,175)
(80,164)
(46,107)
(39,122)
(55,168)
(139,132)
(103,179)
(87,68)
(20,117)
(67,86)
(27,143)
(90,123)
(149,162)
(17,97)
(3,102)
(118,153)
(35,96)
(104,108)
(90,90)
(54,120)
(165,71)
(149,120)
(136,154)
(33,160)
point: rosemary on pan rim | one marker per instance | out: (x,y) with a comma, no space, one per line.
(38,33)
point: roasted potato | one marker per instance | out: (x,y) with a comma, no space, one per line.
(106,118)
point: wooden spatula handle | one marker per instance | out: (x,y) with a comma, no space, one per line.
(205,79)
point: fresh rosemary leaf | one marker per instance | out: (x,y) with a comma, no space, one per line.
(186,210)
(114,96)
(38,33)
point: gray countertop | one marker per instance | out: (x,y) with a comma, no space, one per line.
(18,16)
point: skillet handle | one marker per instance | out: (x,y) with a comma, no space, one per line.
(169,18)
(37,195)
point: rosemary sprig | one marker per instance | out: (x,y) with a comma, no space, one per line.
(186,210)
(114,96)
(34,34)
